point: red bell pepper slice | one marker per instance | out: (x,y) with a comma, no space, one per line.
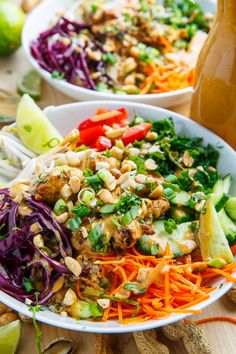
(103,143)
(90,135)
(88,123)
(137,132)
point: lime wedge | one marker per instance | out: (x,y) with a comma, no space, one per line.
(30,83)
(9,337)
(34,129)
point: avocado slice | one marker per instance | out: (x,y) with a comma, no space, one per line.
(213,243)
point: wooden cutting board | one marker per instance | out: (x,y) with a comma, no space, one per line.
(222,336)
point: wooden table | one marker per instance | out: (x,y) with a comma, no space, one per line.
(222,336)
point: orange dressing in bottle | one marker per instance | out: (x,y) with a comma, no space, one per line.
(214,97)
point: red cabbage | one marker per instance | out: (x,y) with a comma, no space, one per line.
(20,258)
(58,49)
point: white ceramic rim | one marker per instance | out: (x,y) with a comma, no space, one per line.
(112,326)
(96,94)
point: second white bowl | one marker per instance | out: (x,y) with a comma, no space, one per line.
(39,21)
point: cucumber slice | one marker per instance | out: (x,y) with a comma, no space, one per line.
(230,208)
(228,226)
(221,203)
(220,191)
(213,242)
(180,199)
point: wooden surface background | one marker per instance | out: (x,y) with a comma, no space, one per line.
(222,336)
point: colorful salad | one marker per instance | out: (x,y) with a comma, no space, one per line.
(125,46)
(123,220)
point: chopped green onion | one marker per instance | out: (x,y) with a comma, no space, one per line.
(81,210)
(170,225)
(74,224)
(171,178)
(108,209)
(93,179)
(169,185)
(154,250)
(130,215)
(109,58)
(127,219)
(104,174)
(87,196)
(169,193)
(87,172)
(133,286)
(60,207)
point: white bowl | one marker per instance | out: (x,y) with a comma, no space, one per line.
(66,118)
(39,20)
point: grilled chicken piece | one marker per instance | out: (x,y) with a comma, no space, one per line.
(147,229)
(77,240)
(126,237)
(158,207)
(122,238)
(49,191)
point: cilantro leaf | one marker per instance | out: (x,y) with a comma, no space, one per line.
(139,162)
(28,285)
(127,201)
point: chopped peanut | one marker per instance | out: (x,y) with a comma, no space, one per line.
(73,266)
(69,298)
(106,196)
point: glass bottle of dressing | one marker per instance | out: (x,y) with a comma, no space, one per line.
(214,97)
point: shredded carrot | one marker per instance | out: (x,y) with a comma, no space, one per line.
(120,315)
(216,318)
(183,284)
(195,302)
(222,272)
(103,116)
(167,289)
(147,86)
(78,290)
(166,77)
(185,311)
(106,314)
(89,282)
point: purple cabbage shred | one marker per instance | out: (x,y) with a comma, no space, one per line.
(20,259)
